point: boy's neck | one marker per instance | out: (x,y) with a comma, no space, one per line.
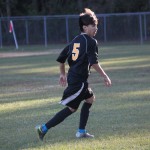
(83,33)
(86,34)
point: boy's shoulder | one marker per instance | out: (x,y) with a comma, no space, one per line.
(91,40)
(82,37)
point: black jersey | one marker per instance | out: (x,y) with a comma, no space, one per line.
(81,53)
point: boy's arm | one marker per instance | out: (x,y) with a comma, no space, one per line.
(62,78)
(100,70)
(62,59)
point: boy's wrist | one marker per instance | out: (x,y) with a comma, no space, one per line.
(62,74)
(105,76)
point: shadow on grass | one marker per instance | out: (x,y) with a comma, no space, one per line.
(106,119)
(121,110)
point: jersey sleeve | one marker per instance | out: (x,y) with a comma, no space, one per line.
(63,55)
(92,52)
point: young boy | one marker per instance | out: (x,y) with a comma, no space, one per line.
(81,54)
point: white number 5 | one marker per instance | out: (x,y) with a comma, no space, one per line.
(75,51)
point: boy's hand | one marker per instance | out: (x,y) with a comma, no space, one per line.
(100,70)
(62,80)
(107,81)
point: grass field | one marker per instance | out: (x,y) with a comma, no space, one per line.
(119,119)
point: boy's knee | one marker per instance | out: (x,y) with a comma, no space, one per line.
(72,109)
(91,99)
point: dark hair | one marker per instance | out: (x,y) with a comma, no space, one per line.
(86,18)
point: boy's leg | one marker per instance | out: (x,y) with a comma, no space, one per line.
(84,115)
(64,113)
(58,118)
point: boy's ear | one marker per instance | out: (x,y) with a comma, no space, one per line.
(84,28)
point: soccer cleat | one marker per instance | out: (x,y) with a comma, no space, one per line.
(84,135)
(41,134)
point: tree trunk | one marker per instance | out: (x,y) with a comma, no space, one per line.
(80,5)
(8,9)
(35,6)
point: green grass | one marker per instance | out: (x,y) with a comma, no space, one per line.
(119,119)
(29,48)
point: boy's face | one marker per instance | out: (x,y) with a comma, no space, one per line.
(90,30)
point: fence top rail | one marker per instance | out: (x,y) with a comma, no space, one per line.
(71,16)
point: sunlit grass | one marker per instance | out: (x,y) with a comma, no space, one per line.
(52,70)
(108,144)
(119,118)
(126,60)
(26,104)
(135,93)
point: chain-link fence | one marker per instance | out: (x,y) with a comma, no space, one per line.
(45,30)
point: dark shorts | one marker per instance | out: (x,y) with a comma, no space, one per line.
(74,94)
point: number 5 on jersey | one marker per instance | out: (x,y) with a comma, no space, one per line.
(75,51)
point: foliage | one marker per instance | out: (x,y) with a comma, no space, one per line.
(57,7)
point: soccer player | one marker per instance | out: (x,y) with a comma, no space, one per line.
(81,54)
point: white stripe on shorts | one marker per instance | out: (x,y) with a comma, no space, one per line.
(72,97)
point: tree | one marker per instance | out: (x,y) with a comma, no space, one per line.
(8,9)
(57,7)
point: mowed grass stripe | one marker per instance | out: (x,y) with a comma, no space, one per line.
(119,119)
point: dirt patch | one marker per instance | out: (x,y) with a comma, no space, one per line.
(23,54)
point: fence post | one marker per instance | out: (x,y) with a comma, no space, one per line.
(141,32)
(105,36)
(1,43)
(27,32)
(67,29)
(45,31)
(145,28)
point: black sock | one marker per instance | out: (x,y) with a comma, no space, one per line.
(84,115)
(59,117)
